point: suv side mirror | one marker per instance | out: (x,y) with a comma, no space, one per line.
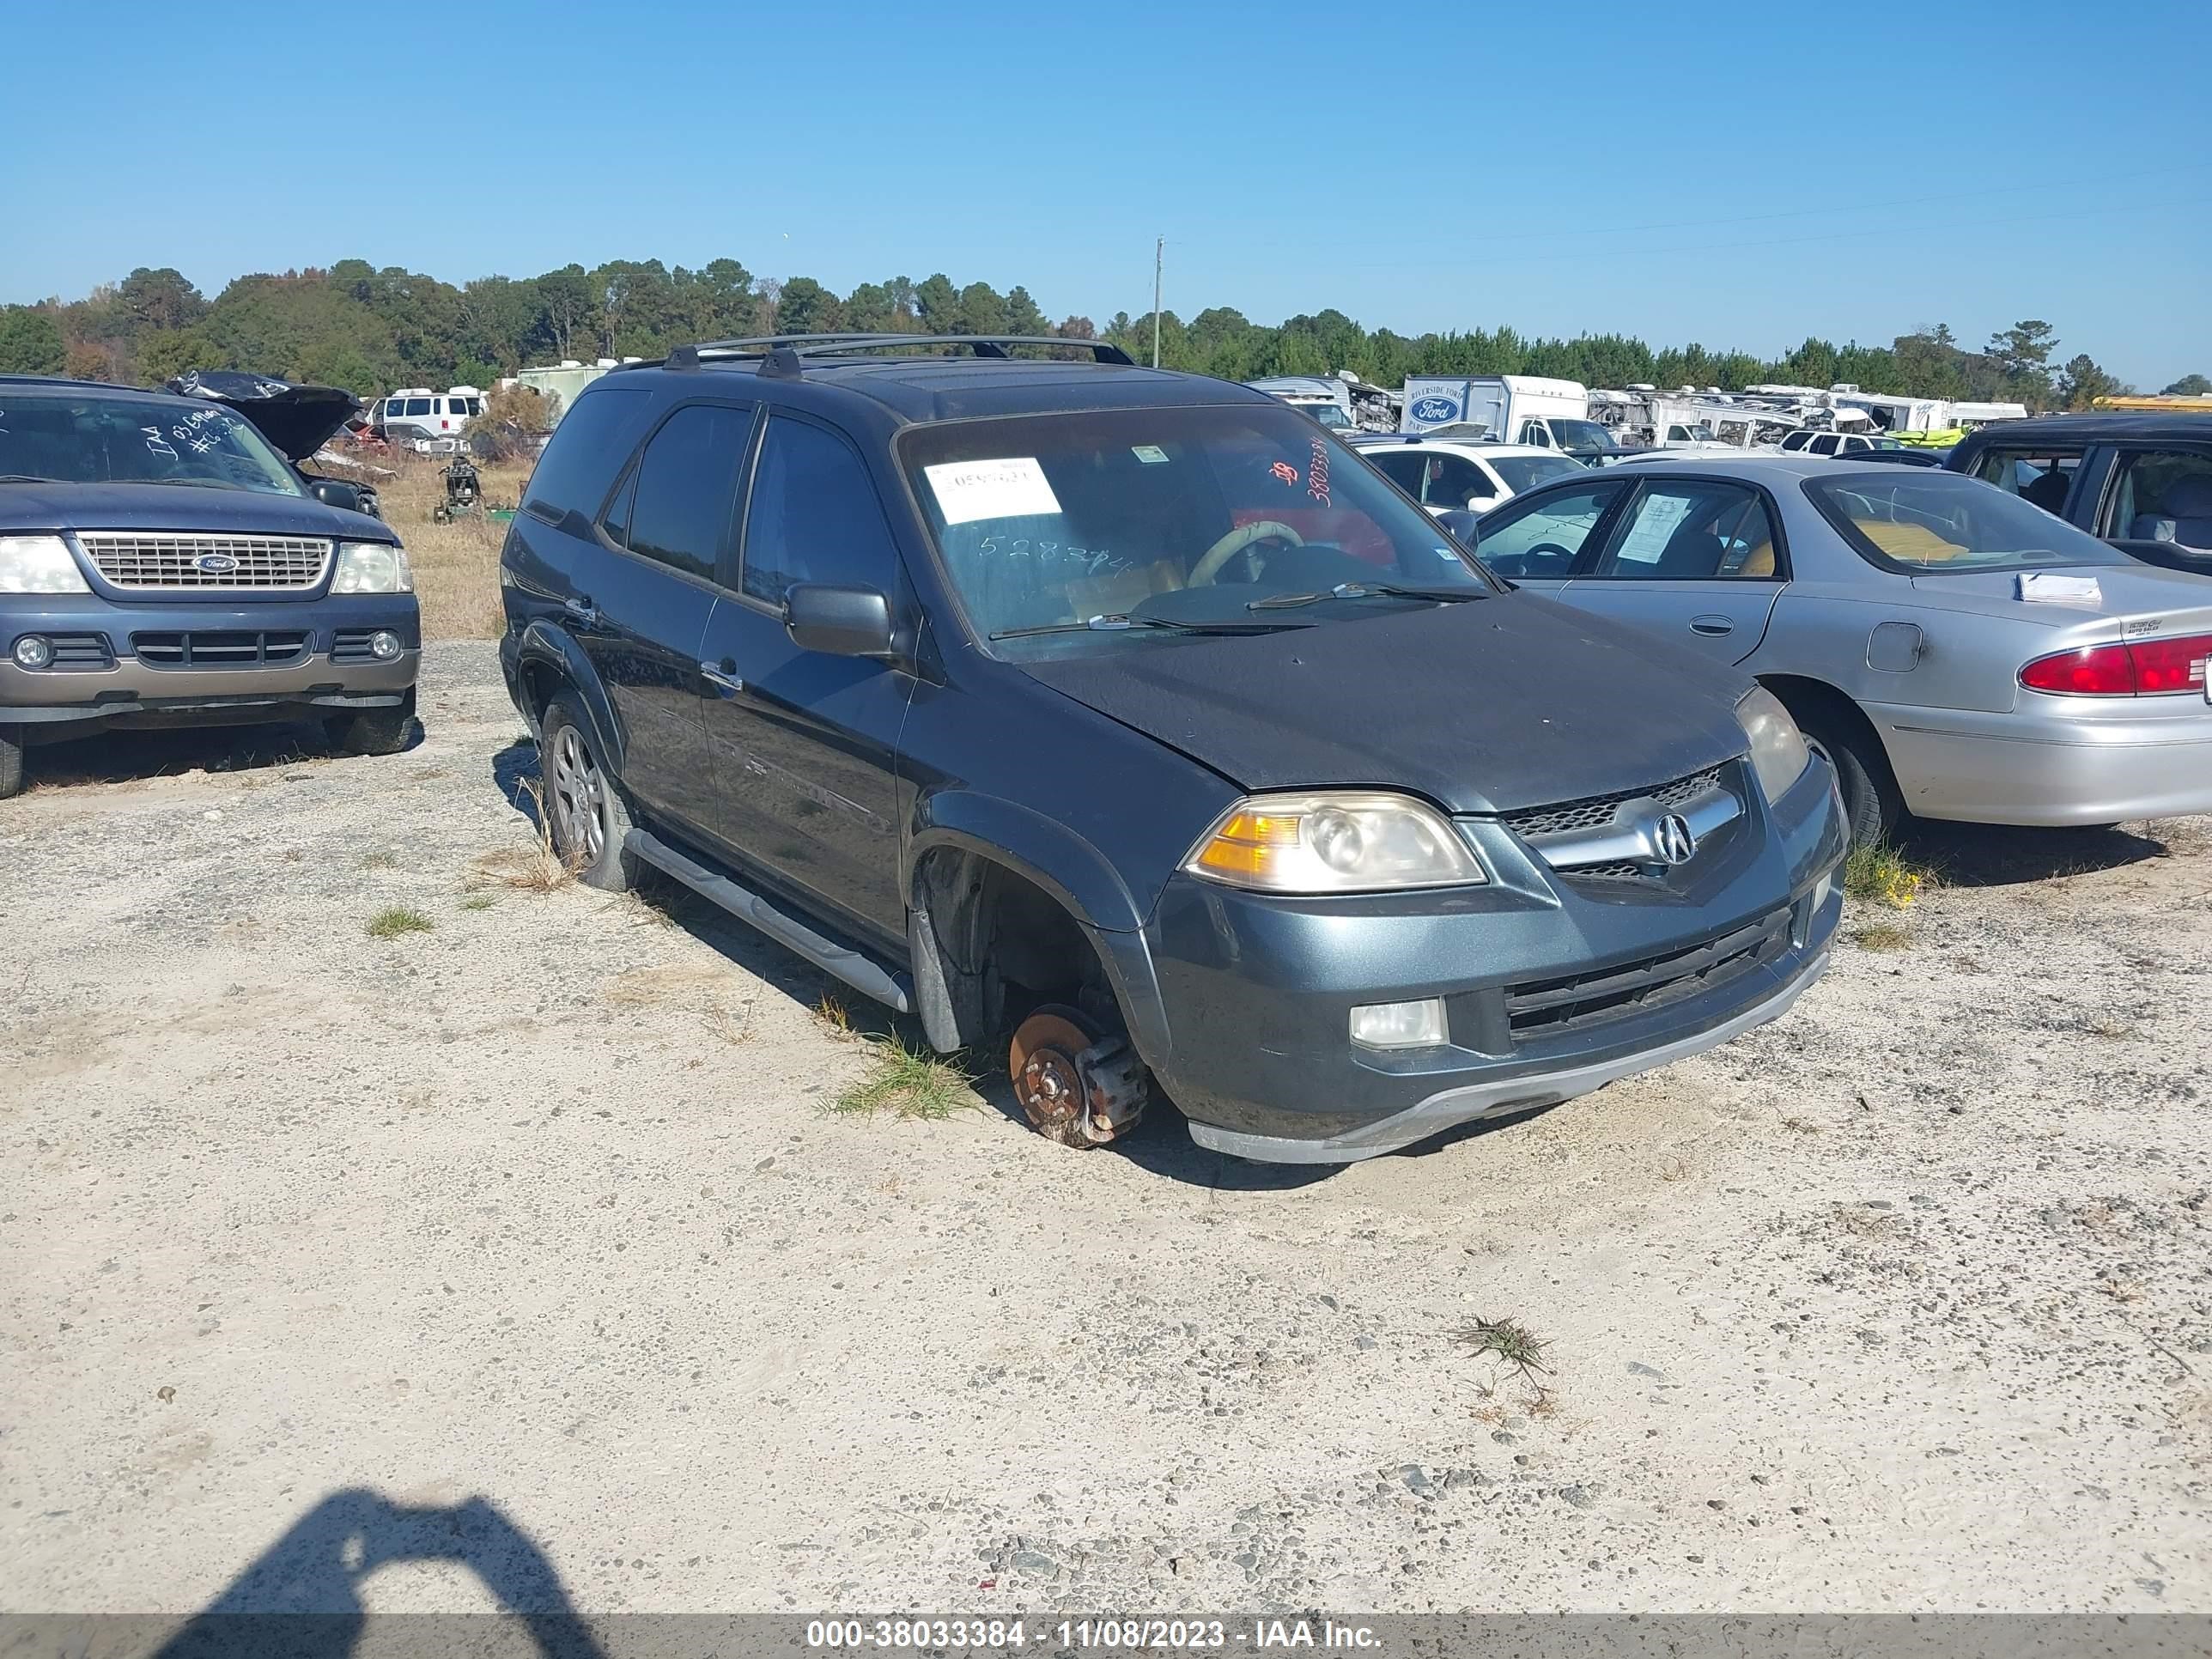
(336,492)
(841,622)
(1480,503)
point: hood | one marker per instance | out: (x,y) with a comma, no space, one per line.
(51,506)
(1490,705)
(294,418)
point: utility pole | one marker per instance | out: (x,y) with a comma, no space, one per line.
(1159,253)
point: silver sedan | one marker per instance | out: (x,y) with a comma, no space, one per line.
(1958,653)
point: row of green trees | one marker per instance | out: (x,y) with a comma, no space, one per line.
(370,329)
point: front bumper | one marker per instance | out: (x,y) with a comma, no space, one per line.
(2052,761)
(1249,1034)
(69,700)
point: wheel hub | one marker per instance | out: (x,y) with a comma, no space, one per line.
(1075,1087)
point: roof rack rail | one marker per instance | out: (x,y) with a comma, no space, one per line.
(789,350)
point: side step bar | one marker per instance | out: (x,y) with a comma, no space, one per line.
(848,964)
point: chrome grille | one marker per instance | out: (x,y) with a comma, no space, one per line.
(175,561)
(1594,811)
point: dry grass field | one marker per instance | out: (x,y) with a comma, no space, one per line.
(456,565)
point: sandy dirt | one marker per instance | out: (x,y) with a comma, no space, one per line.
(536,1225)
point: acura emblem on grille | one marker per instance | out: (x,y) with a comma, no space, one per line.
(1672,839)
(215,564)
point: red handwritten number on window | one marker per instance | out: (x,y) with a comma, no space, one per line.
(1287,472)
(1318,474)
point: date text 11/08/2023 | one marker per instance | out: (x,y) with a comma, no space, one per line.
(1011,1635)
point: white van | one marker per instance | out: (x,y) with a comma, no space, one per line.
(426,420)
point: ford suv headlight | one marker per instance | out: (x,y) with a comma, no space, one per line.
(372,567)
(1778,754)
(1339,841)
(38,564)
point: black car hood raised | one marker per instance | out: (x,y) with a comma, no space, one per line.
(1488,706)
(51,505)
(297,419)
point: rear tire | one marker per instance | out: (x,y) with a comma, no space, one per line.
(11,762)
(582,803)
(1873,807)
(374,730)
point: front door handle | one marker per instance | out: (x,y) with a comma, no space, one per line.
(723,673)
(1712,626)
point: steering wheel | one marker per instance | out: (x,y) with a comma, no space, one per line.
(1542,548)
(1210,562)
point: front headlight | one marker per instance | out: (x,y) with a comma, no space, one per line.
(1334,842)
(38,564)
(1778,753)
(372,567)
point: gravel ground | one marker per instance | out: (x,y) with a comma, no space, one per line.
(535,1231)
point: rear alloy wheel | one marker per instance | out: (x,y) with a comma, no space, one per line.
(582,804)
(1077,1086)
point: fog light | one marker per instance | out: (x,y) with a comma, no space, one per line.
(32,651)
(1399,1025)
(384,645)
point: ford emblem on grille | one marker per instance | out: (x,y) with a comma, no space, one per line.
(1672,839)
(215,564)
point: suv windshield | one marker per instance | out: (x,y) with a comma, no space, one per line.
(1904,518)
(1583,434)
(94,439)
(1145,523)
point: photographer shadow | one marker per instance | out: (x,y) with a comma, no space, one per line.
(300,1599)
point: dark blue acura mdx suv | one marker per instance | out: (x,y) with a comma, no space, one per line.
(162,564)
(1129,722)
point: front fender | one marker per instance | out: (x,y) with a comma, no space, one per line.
(1076,874)
(1041,849)
(547,646)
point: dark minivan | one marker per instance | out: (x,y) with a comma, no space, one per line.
(1132,716)
(2143,482)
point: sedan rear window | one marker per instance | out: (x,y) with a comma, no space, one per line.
(1941,523)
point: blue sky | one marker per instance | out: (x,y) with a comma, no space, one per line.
(1738,176)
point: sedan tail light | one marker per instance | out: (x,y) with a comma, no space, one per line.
(2139,668)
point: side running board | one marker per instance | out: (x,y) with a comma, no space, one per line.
(848,964)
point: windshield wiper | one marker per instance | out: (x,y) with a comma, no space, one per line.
(191,483)
(1362,590)
(1115,623)
(25,478)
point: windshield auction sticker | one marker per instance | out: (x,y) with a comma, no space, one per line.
(1013,487)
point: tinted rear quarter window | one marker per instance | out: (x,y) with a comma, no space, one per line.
(588,450)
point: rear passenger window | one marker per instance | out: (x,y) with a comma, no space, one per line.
(418,406)
(2162,496)
(588,448)
(685,483)
(814,516)
(1688,532)
(2043,479)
